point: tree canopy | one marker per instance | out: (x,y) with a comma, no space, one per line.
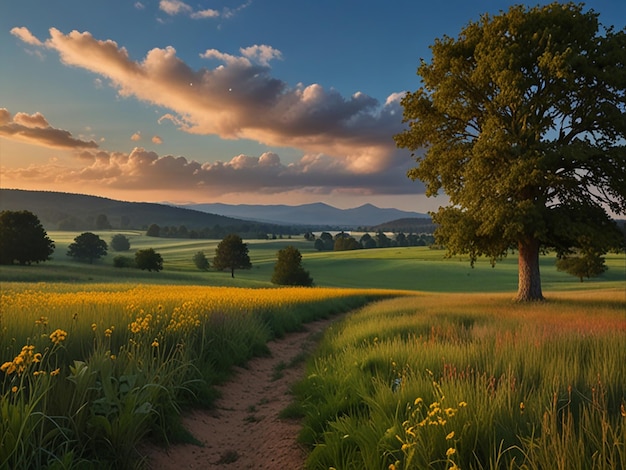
(521,121)
(232,253)
(120,242)
(23,238)
(87,246)
(288,270)
(148,259)
(201,261)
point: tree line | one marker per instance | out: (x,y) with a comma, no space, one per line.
(343,241)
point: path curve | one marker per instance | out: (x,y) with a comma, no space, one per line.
(243,430)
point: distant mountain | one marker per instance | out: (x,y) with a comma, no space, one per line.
(66,211)
(317,214)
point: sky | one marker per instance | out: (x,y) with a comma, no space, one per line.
(232,101)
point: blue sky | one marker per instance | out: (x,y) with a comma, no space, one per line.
(251,101)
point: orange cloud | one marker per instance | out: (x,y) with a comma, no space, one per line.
(25,35)
(34,128)
(240,99)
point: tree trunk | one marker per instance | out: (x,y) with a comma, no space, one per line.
(529,278)
(232,272)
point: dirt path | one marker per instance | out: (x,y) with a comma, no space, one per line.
(244,431)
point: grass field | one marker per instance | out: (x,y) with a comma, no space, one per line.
(471,381)
(96,358)
(413,268)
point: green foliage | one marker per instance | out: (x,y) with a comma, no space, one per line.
(346,243)
(120,242)
(232,253)
(121,261)
(87,246)
(523,122)
(149,259)
(201,261)
(288,270)
(153,231)
(23,238)
(585,265)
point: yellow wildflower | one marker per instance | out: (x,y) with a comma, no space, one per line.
(55,372)
(450,436)
(14,389)
(155,344)
(450,451)
(58,336)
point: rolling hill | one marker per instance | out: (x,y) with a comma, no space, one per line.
(67,211)
(59,211)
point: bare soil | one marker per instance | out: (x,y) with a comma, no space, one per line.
(244,430)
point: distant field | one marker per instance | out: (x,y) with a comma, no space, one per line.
(412,268)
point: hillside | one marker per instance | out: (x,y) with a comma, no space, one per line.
(59,211)
(67,211)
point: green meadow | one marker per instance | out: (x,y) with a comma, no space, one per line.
(434,366)
(410,268)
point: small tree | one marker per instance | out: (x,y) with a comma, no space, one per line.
(121,261)
(201,261)
(232,253)
(120,242)
(586,264)
(23,238)
(288,270)
(87,246)
(153,231)
(149,259)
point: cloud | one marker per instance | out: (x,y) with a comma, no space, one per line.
(174,7)
(26,36)
(178,7)
(156,140)
(136,137)
(143,170)
(239,98)
(34,128)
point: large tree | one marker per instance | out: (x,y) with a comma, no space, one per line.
(232,253)
(23,238)
(87,246)
(521,122)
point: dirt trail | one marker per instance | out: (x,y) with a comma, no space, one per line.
(243,431)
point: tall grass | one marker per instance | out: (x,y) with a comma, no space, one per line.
(89,371)
(473,382)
